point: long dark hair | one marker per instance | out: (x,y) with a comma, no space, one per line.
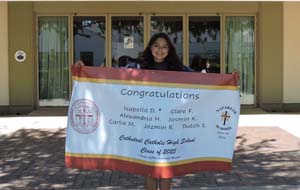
(172,59)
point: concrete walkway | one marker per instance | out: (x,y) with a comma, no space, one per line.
(267,157)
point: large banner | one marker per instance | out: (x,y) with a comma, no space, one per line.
(153,123)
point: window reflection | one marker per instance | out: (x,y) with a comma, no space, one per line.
(127,39)
(89,40)
(204,41)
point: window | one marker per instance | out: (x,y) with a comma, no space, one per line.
(239,52)
(53,60)
(127,38)
(204,42)
(89,40)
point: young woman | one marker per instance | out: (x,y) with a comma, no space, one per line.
(160,54)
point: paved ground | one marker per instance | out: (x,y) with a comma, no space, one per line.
(266,157)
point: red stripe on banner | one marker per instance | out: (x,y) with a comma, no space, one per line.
(155,76)
(145,170)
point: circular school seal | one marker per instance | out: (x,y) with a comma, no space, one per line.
(84,116)
(226,113)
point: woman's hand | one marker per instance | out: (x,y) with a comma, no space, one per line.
(79,63)
(236,75)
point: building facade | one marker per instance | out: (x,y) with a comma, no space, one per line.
(41,40)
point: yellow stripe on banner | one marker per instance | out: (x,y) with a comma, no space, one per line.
(78,155)
(160,84)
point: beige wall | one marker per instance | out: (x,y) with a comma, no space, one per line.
(270,54)
(132,7)
(4,92)
(291,66)
(21,75)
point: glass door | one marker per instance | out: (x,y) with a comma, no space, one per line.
(204,43)
(53,60)
(240,53)
(89,39)
(127,39)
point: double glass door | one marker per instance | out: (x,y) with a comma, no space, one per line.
(113,41)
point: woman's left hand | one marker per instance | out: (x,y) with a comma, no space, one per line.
(78,64)
(236,75)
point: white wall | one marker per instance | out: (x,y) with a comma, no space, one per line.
(291,54)
(4,90)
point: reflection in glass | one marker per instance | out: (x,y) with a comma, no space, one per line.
(171,25)
(204,40)
(53,61)
(239,52)
(127,39)
(89,40)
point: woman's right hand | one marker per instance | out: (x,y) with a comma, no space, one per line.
(79,63)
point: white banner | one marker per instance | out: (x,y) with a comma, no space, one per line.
(137,120)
